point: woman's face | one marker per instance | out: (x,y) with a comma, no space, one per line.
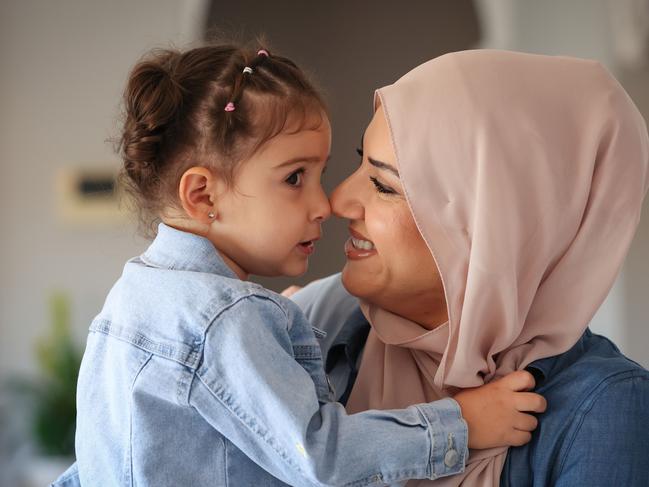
(388,262)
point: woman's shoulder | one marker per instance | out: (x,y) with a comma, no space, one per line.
(592,375)
(330,308)
(590,368)
(325,300)
(603,427)
(595,424)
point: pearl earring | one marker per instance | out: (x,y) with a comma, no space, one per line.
(211,214)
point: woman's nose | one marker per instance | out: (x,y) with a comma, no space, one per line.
(345,200)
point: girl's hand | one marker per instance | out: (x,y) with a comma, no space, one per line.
(290,291)
(497,413)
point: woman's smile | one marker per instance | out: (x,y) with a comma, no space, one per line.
(358,246)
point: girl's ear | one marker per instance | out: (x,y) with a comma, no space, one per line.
(197,192)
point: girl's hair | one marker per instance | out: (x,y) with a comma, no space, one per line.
(175,117)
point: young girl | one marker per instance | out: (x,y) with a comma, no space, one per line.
(194,376)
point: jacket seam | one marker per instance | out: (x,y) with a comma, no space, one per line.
(227,308)
(130,420)
(106,327)
(246,296)
(219,397)
(355,483)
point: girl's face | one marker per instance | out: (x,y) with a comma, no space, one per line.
(388,261)
(268,222)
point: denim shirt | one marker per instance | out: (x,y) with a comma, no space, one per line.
(595,431)
(193,377)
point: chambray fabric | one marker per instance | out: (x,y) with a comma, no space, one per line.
(194,377)
(595,431)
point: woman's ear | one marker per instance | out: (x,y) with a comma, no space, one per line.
(197,192)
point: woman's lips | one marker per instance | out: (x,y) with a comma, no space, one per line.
(358,247)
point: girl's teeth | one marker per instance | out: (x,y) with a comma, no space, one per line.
(362,244)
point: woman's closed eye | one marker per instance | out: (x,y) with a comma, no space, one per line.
(378,185)
(382,188)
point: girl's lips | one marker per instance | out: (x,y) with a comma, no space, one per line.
(353,253)
(307,247)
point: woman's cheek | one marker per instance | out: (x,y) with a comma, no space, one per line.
(413,249)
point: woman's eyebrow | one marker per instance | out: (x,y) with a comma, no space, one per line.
(383,165)
(378,164)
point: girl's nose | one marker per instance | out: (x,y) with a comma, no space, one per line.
(345,200)
(322,208)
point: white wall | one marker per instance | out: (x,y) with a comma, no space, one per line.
(63,65)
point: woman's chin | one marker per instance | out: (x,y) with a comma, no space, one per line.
(357,282)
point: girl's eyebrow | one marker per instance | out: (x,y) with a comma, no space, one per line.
(310,159)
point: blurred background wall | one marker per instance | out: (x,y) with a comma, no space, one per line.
(63,65)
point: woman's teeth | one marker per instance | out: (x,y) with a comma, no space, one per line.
(362,244)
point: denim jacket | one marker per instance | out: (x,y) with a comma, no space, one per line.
(595,431)
(194,377)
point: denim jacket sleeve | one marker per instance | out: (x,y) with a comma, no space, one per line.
(69,478)
(250,387)
(610,443)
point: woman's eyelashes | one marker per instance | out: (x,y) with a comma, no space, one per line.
(378,185)
(382,188)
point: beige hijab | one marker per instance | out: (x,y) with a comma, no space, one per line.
(525,175)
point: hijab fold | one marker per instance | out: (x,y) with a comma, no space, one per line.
(525,175)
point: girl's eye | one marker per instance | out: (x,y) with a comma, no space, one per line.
(359,151)
(381,188)
(295,179)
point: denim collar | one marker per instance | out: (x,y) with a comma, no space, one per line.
(543,368)
(350,341)
(179,250)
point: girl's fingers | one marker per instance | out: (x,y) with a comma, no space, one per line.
(530,402)
(525,422)
(521,380)
(520,438)
(289,291)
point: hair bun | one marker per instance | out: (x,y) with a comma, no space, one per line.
(152,101)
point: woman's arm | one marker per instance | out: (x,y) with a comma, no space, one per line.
(327,305)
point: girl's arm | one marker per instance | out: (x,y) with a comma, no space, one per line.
(251,389)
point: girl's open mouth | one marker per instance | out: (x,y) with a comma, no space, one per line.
(308,247)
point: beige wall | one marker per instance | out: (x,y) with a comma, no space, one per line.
(63,65)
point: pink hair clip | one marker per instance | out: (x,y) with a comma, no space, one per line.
(229,107)
(262,52)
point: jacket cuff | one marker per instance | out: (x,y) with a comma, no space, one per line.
(449,437)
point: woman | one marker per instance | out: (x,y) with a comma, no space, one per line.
(495,202)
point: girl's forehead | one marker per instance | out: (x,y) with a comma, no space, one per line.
(290,147)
